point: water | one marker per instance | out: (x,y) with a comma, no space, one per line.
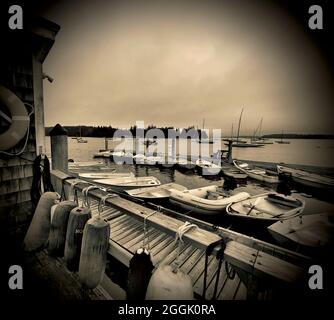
(299,151)
(307,152)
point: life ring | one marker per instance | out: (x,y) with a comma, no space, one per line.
(19,117)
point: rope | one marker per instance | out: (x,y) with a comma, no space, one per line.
(229,272)
(178,240)
(74,191)
(85,198)
(102,202)
(146,242)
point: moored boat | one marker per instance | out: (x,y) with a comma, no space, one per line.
(207,168)
(82,164)
(307,178)
(257,173)
(103,154)
(152,193)
(105,175)
(127,183)
(139,159)
(308,231)
(268,207)
(184,164)
(206,200)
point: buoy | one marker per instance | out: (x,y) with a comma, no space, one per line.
(165,284)
(76,223)
(59,218)
(38,232)
(169,282)
(139,275)
(94,248)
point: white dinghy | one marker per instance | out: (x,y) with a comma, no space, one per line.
(206,200)
(309,231)
(105,175)
(256,173)
(308,179)
(267,207)
(152,193)
(207,168)
(127,183)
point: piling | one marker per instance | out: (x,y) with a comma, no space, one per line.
(59,148)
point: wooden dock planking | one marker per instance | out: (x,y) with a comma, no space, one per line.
(253,256)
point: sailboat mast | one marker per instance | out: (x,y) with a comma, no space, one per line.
(239,124)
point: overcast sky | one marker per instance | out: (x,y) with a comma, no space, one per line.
(177,64)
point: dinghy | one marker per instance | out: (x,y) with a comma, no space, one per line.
(267,207)
(103,154)
(257,173)
(232,172)
(206,200)
(207,168)
(139,159)
(308,179)
(310,231)
(82,164)
(127,183)
(105,175)
(152,193)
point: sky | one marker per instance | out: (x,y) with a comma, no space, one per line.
(174,64)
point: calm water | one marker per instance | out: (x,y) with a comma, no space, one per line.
(308,152)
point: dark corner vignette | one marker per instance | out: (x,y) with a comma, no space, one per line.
(167,151)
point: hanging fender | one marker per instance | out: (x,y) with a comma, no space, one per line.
(19,119)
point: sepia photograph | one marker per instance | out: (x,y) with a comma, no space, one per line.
(178,151)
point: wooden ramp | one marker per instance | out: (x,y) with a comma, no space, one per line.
(126,236)
(261,268)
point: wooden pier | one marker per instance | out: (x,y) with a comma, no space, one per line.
(260,267)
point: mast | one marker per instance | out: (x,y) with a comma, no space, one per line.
(232,131)
(242,110)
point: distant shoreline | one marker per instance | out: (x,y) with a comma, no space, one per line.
(107,131)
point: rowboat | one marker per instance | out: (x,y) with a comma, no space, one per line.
(256,173)
(103,154)
(232,172)
(105,175)
(267,207)
(309,231)
(139,159)
(207,200)
(152,193)
(207,168)
(127,183)
(306,178)
(81,164)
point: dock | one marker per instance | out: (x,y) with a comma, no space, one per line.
(259,267)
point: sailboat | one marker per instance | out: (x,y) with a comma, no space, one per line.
(282,141)
(242,144)
(260,138)
(80,139)
(204,140)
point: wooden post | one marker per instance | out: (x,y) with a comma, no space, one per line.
(106,143)
(173,148)
(59,148)
(229,155)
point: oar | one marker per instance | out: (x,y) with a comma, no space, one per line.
(261,210)
(252,206)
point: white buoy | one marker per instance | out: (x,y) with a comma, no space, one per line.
(94,249)
(165,284)
(75,226)
(38,231)
(59,218)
